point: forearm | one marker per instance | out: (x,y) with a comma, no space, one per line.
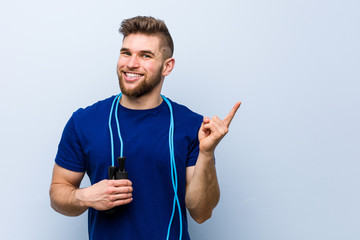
(65,201)
(202,192)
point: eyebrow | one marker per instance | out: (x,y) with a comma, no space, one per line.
(148,52)
(124,50)
(141,51)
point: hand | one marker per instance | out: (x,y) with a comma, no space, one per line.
(213,130)
(106,194)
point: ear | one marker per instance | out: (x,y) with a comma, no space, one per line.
(168,66)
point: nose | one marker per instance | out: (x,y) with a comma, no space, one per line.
(133,62)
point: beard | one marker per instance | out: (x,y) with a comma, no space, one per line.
(144,87)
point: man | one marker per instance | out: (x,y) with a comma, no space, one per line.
(152,201)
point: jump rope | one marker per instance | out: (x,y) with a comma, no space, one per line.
(120,173)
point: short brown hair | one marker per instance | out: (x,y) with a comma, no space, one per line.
(148,26)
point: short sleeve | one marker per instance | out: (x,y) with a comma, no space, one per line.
(193,150)
(70,154)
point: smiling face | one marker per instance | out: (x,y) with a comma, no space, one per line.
(141,66)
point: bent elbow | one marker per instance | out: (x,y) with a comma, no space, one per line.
(68,213)
(201,219)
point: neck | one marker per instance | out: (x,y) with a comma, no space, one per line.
(141,103)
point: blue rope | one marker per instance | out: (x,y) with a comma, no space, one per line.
(176,202)
(116,99)
(173,171)
(118,126)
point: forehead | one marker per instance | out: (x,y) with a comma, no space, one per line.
(140,42)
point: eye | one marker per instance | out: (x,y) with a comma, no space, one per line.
(146,56)
(126,53)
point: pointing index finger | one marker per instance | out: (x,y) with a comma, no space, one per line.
(230,116)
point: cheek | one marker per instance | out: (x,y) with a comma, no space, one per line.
(153,68)
(120,63)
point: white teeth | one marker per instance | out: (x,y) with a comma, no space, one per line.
(133,75)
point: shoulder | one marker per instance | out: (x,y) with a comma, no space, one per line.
(185,113)
(92,116)
(184,109)
(94,110)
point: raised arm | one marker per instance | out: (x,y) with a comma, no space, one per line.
(68,199)
(202,188)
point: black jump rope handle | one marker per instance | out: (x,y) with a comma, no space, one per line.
(117,173)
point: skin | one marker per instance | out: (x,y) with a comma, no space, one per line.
(142,54)
(141,69)
(202,188)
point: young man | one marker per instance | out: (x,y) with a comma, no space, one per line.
(150,204)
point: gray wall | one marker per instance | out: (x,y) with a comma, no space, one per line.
(289,167)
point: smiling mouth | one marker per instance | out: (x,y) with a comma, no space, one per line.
(131,76)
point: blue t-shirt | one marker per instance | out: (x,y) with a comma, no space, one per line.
(85,147)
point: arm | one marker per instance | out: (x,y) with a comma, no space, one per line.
(202,188)
(62,191)
(68,199)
